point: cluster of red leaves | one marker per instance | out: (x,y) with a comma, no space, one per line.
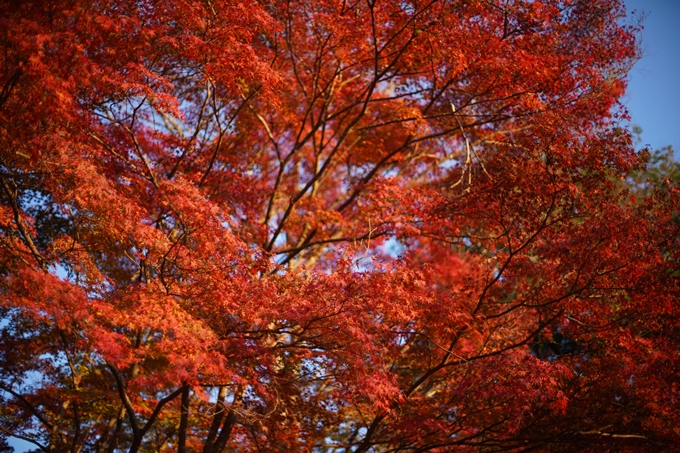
(329,226)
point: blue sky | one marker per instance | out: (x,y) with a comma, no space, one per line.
(653,97)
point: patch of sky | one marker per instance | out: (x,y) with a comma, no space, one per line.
(20,445)
(393,247)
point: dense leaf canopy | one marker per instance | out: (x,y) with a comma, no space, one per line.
(330,226)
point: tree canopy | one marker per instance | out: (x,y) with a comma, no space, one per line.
(331,226)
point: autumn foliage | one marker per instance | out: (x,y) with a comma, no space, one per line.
(330,226)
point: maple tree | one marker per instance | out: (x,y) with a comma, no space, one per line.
(330,226)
